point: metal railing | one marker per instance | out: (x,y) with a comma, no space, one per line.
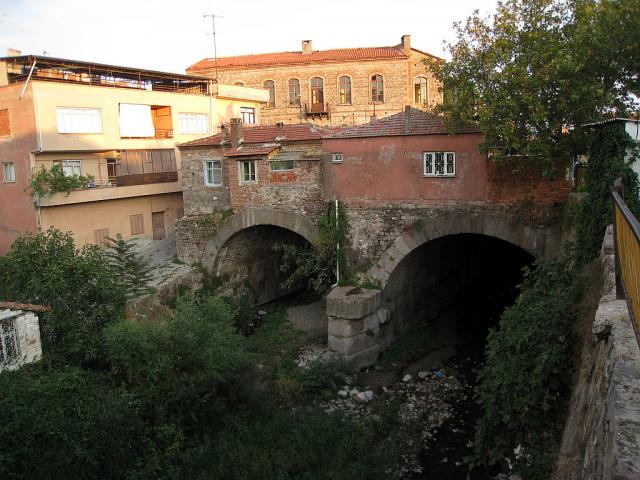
(627,249)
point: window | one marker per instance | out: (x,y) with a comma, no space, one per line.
(137,224)
(101,236)
(193,123)
(336,157)
(212,173)
(247,171)
(420,90)
(271,85)
(294,91)
(248,114)
(145,121)
(9,172)
(9,347)
(439,164)
(79,120)
(4,123)
(377,89)
(71,168)
(317,94)
(344,88)
(280,165)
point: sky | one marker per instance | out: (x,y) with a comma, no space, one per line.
(170,35)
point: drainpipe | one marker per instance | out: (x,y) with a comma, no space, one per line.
(28,78)
(337,251)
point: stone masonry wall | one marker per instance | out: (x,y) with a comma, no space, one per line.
(398,87)
(198,198)
(192,235)
(601,438)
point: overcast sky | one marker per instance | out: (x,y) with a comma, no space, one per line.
(171,35)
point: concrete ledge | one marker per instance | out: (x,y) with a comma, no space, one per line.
(352,303)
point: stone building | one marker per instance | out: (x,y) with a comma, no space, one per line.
(344,86)
(19,334)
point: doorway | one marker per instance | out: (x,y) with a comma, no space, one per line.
(157,221)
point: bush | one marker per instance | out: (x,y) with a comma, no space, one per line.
(526,381)
(85,293)
(46,182)
(131,268)
(67,424)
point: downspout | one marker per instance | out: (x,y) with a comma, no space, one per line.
(28,78)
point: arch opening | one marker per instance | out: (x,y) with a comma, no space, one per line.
(247,264)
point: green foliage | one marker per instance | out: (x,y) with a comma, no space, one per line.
(606,163)
(84,291)
(132,269)
(317,265)
(66,424)
(526,381)
(528,75)
(47,182)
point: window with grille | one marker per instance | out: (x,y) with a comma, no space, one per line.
(79,120)
(271,86)
(344,87)
(193,123)
(336,157)
(247,171)
(294,91)
(9,347)
(137,224)
(377,89)
(212,173)
(439,164)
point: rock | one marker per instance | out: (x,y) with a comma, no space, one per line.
(343,393)
(361,397)
(369,395)
(423,375)
(262,313)
(353,392)
(515,476)
(407,378)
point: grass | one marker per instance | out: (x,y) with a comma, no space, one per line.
(410,345)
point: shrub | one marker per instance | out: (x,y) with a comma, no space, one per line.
(84,291)
(525,383)
(66,424)
(132,269)
(46,182)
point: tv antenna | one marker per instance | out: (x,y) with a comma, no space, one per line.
(215,50)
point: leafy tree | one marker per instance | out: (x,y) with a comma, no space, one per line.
(46,182)
(531,73)
(84,291)
(132,268)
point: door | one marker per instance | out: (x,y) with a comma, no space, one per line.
(317,95)
(157,220)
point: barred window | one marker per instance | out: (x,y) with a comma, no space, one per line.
(439,164)
(9,347)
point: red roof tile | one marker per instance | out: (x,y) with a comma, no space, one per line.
(288,58)
(411,122)
(267,133)
(28,307)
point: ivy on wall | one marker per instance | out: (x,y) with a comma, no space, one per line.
(49,181)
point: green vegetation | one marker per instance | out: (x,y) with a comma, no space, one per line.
(47,182)
(317,264)
(529,75)
(132,269)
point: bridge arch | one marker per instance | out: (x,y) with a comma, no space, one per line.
(537,241)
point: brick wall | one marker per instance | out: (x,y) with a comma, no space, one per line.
(509,183)
(398,87)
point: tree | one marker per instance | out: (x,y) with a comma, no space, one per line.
(537,69)
(132,268)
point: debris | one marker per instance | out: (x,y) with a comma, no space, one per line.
(423,375)
(407,378)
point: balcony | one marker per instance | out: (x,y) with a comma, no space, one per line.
(317,110)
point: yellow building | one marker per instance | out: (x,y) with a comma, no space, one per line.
(118,126)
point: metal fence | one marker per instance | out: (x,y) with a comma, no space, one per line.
(627,245)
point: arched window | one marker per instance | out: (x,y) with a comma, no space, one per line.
(239,84)
(377,88)
(294,91)
(344,88)
(317,95)
(420,94)
(271,85)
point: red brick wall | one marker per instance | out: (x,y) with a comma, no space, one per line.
(509,183)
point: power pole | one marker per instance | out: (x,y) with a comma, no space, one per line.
(215,50)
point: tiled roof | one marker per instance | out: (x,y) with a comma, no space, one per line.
(251,150)
(267,133)
(29,307)
(408,122)
(288,58)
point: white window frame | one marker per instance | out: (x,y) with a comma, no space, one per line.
(11,168)
(249,112)
(70,165)
(79,120)
(430,168)
(337,157)
(241,172)
(193,123)
(212,183)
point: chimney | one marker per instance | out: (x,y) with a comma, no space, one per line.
(224,135)
(12,52)
(306,47)
(405,43)
(407,119)
(279,130)
(236,132)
